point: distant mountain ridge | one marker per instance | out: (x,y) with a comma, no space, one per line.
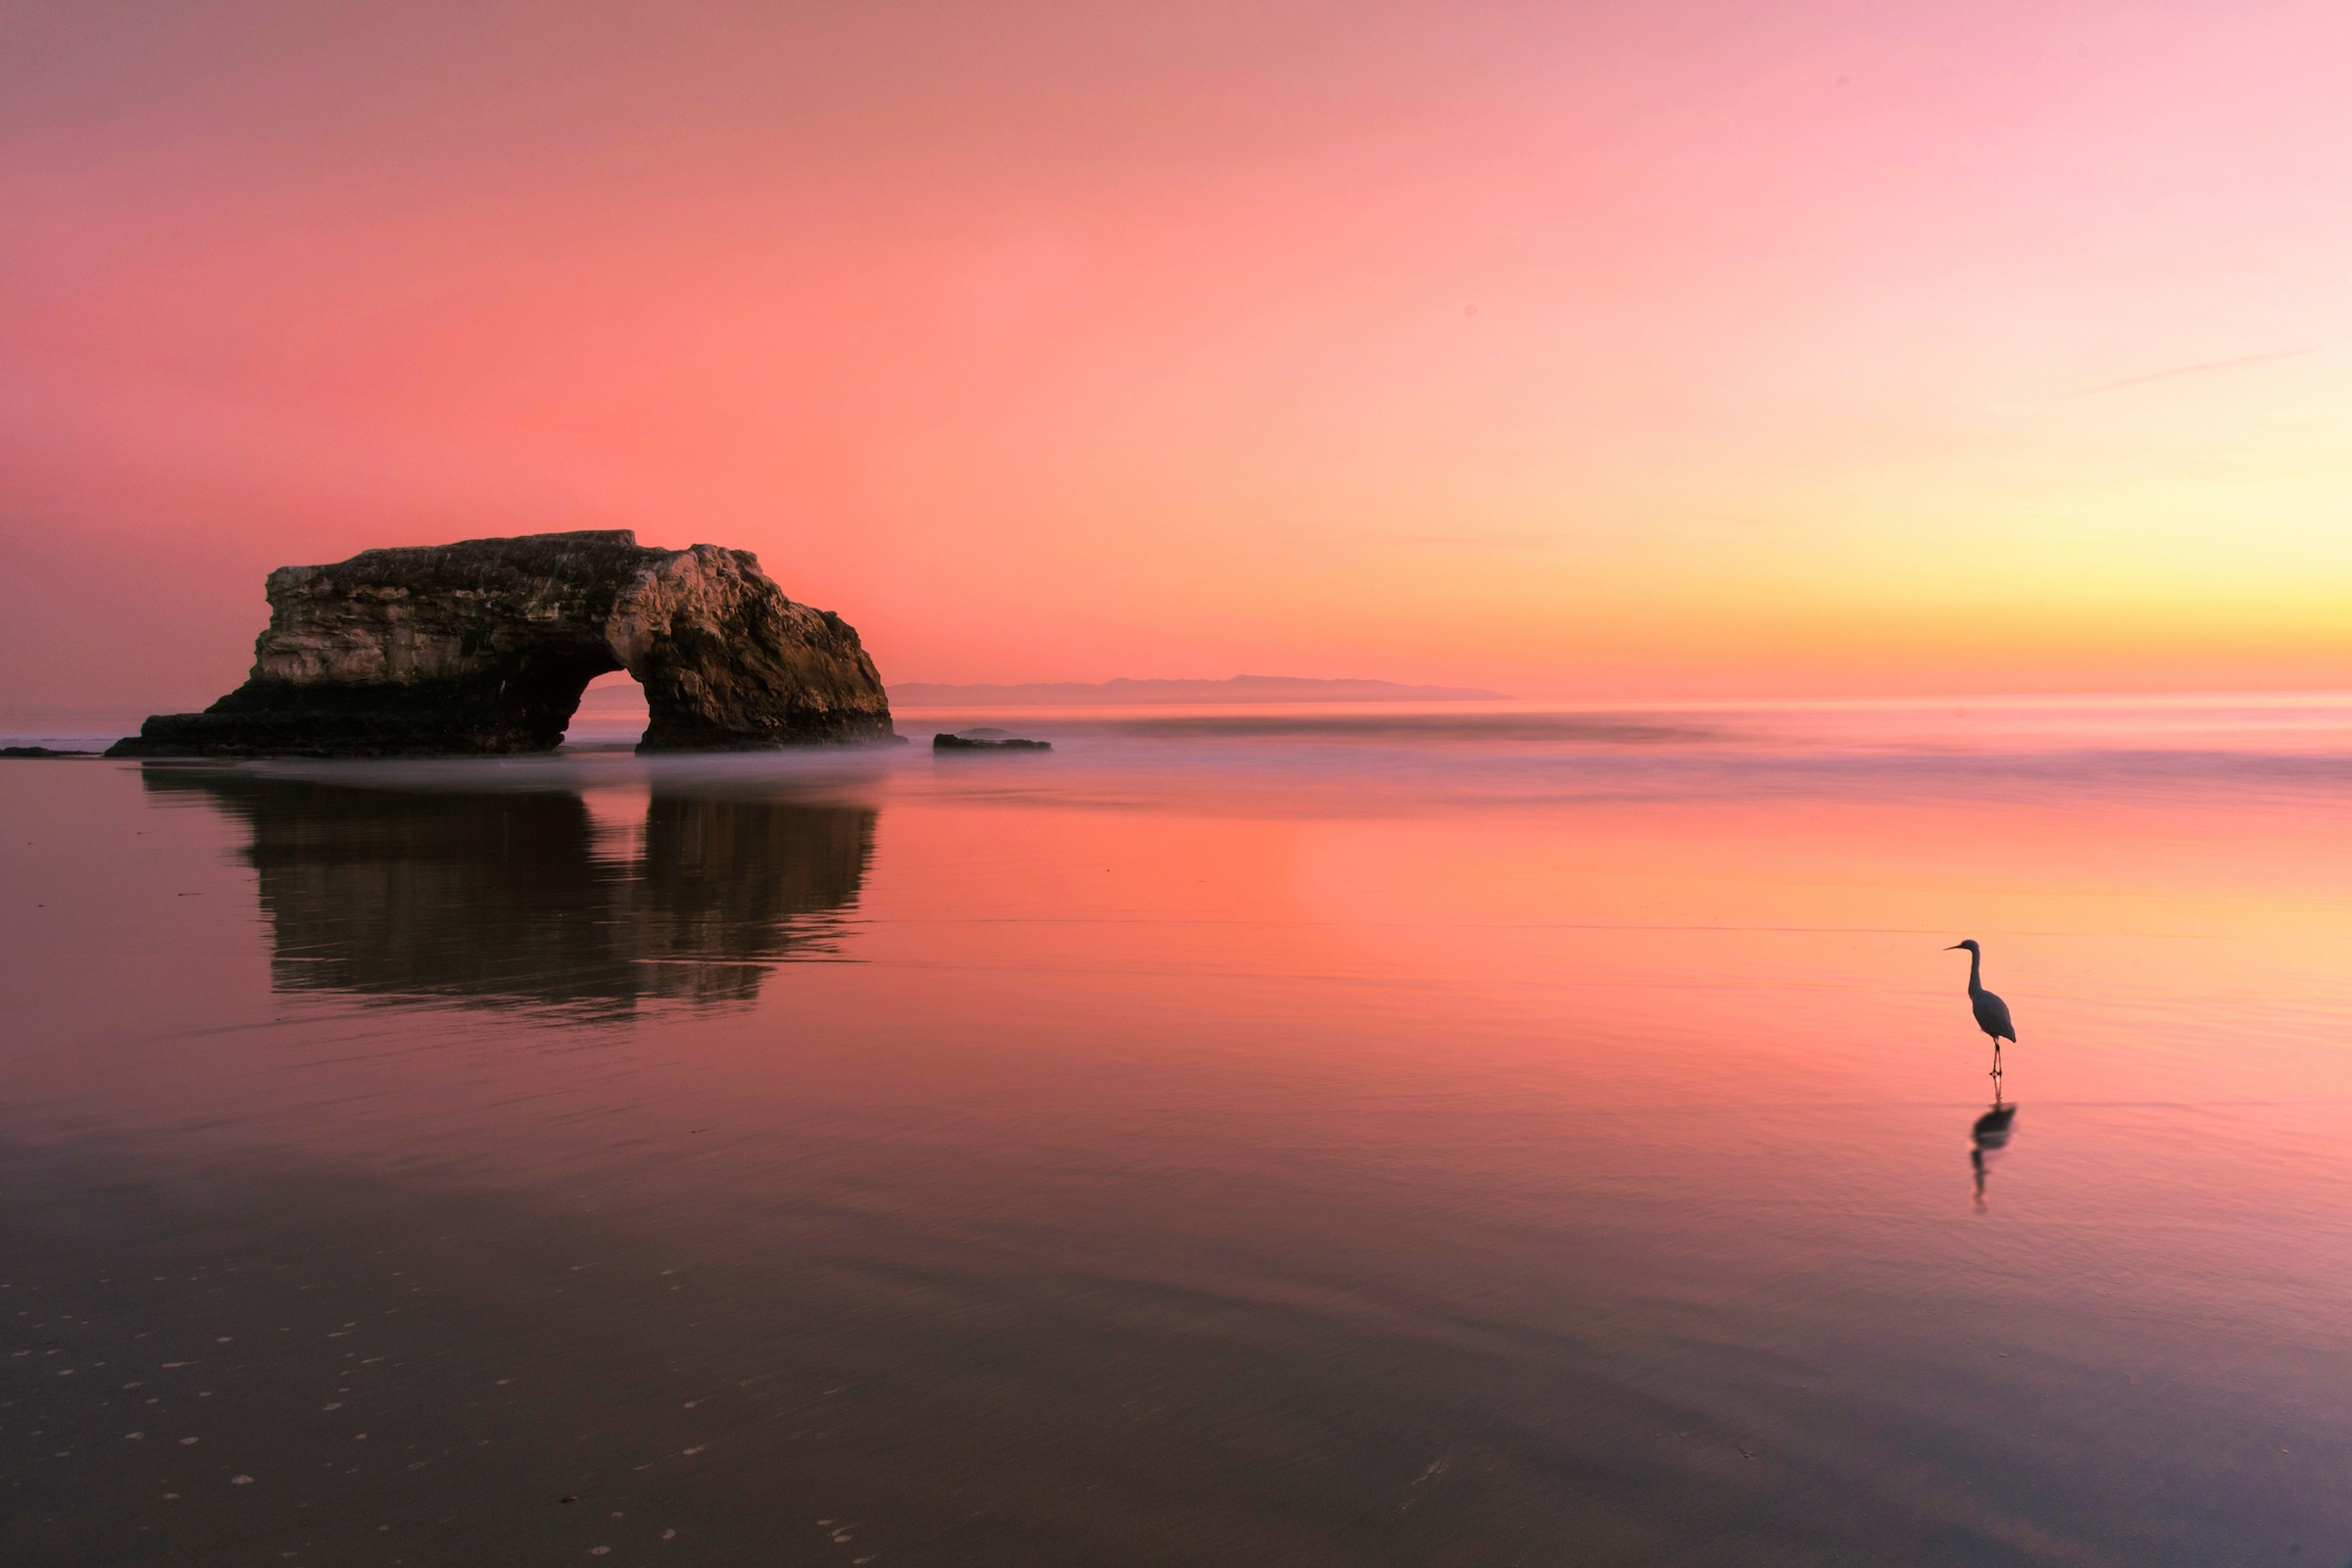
(1237,689)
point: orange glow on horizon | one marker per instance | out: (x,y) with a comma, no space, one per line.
(1572,351)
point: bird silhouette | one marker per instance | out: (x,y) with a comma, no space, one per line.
(1992,1013)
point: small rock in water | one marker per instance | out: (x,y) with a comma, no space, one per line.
(982,741)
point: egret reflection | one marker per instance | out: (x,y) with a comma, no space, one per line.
(1989,1135)
(528,898)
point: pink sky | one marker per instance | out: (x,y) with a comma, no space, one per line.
(1617,349)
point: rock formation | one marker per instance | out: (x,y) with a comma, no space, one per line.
(982,743)
(484,647)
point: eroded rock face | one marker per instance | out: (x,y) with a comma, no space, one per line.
(484,647)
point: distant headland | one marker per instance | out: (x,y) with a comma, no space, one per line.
(483,646)
(1237,689)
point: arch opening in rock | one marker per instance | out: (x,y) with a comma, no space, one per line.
(486,646)
(613,711)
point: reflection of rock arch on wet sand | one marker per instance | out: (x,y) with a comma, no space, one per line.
(514,899)
(484,647)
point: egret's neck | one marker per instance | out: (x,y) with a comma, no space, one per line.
(1975,958)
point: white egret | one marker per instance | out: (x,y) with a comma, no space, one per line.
(1992,1013)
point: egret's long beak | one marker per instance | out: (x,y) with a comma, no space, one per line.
(1956,946)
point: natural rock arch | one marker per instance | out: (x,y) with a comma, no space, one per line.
(484,647)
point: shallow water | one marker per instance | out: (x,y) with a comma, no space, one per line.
(1449,1136)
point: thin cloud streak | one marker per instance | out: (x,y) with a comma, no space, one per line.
(2197,369)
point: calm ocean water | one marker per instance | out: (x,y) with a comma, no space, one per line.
(1463,1136)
